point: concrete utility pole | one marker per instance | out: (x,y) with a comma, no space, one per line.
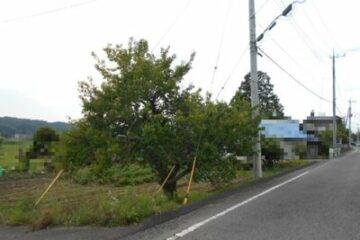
(334,102)
(254,87)
(334,145)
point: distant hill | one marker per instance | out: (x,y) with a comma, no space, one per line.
(10,126)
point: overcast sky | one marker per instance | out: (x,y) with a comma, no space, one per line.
(42,57)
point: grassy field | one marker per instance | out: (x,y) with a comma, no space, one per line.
(9,152)
(72,204)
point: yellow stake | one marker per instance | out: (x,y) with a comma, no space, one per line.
(189,186)
(48,188)
(162,185)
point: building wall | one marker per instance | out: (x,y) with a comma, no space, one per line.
(312,150)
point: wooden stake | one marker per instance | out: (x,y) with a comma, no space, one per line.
(190,181)
(167,178)
(48,188)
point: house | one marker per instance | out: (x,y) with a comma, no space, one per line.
(287,131)
(313,126)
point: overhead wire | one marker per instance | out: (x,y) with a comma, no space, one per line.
(325,25)
(46,12)
(316,51)
(329,48)
(233,70)
(303,36)
(291,76)
(220,44)
(172,25)
(262,6)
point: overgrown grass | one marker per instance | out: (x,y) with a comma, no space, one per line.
(107,209)
(71,204)
(117,175)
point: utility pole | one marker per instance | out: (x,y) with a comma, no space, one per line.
(254,87)
(334,145)
(334,102)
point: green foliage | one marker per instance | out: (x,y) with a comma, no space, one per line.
(326,142)
(42,142)
(326,137)
(140,115)
(270,148)
(106,210)
(269,101)
(23,212)
(117,175)
(342,133)
(82,146)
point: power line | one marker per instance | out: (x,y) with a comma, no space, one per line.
(262,6)
(316,29)
(232,71)
(291,57)
(55,10)
(220,44)
(172,25)
(325,25)
(292,77)
(303,36)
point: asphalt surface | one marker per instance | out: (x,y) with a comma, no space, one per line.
(318,202)
(322,202)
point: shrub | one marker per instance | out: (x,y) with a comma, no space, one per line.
(270,148)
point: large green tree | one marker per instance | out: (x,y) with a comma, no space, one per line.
(270,106)
(140,113)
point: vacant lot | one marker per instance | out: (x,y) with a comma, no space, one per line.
(72,204)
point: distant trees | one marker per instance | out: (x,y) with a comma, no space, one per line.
(10,126)
(42,140)
(270,106)
(326,138)
(140,114)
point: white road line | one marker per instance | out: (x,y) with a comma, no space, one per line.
(199,224)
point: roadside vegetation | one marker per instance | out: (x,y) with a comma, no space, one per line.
(72,204)
(142,128)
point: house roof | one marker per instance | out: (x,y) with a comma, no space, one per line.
(321,118)
(282,129)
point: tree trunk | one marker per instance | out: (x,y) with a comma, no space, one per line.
(170,188)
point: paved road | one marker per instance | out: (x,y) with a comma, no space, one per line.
(322,202)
